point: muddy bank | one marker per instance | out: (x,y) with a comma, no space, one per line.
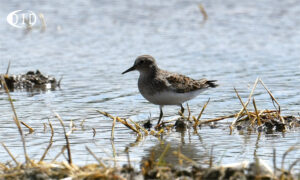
(150,169)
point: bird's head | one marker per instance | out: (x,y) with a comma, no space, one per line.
(143,63)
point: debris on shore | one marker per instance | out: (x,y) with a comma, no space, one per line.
(267,121)
(150,169)
(30,80)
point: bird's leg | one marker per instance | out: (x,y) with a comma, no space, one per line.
(182,109)
(161,114)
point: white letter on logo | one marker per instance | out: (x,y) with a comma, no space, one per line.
(10,18)
(32,15)
(23,17)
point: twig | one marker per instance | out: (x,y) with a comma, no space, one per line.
(59,81)
(200,114)
(60,153)
(10,154)
(256,144)
(94,132)
(257,115)
(211,157)
(293,164)
(274,100)
(45,126)
(274,161)
(44,25)
(72,125)
(203,12)
(217,119)
(138,127)
(112,136)
(257,168)
(244,106)
(285,154)
(171,120)
(7,70)
(96,158)
(136,142)
(114,152)
(271,95)
(178,153)
(242,110)
(15,118)
(31,130)
(81,124)
(50,142)
(161,157)
(189,112)
(128,157)
(105,114)
(123,121)
(66,137)
(182,156)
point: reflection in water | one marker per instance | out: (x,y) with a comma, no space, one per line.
(169,152)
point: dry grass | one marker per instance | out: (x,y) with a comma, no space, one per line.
(268,119)
(50,142)
(204,14)
(155,168)
(256,120)
(15,117)
(66,138)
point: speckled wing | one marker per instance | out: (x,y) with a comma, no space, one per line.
(184,84)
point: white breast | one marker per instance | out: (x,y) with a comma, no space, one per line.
(171,98)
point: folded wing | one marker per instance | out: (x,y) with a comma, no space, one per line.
(183,84)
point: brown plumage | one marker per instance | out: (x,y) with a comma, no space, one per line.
(165,88)
(183,84)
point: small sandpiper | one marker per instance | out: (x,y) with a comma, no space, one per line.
(165,88)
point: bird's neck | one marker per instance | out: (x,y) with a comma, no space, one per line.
(150,72)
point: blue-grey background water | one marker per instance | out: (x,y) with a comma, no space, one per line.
(91,42)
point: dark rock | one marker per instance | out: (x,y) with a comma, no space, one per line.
(148,125)
(180,123)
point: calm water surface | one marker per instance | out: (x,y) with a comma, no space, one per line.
(90,43)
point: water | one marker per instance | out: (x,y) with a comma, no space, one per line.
(90,43)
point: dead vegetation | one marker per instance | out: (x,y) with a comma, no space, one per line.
(257,120)
(204,14)
(30,80)
(152,167)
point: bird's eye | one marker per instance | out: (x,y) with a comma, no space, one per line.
(142,61)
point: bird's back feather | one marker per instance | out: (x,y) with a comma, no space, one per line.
(183,84)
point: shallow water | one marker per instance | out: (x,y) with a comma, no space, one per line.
(90,43)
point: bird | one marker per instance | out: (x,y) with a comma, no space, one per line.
(161,87)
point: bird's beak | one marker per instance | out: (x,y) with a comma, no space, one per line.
(130,69)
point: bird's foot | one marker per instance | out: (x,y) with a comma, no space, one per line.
(159,126)
(180,113)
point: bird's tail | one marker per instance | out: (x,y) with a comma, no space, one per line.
(211,83)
